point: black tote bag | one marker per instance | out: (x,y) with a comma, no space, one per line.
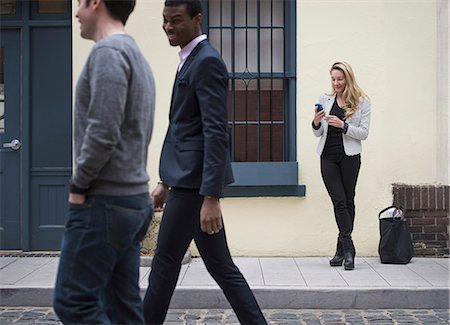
(395,245)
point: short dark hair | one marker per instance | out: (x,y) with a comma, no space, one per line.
(193,7)
(120,9)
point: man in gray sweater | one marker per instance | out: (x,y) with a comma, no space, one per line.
(110,207)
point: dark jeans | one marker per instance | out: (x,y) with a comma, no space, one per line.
(98,273)
(340,173)
(179,225)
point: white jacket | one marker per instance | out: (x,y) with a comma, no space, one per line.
(358,126)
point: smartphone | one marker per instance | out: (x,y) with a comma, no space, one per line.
(319,107)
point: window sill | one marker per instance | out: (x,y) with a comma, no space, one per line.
(269,191)
(265,179)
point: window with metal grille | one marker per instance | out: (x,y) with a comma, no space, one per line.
(256,39)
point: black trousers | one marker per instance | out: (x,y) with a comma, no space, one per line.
(179,225)
(340,174)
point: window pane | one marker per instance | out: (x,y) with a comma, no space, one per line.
(246,50)
(272,100)
(52,6)
(8,7)
(269,147)
(272,50)
(245,143)
(221,40)
(2,92)
(220,12)
(276,17)
(245,12)
(272,142)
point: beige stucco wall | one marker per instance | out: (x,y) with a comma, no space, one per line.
(443,120)
(392,46)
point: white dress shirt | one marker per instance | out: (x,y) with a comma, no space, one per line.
(185,51)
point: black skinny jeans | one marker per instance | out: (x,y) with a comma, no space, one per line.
(340,173)
(179,225)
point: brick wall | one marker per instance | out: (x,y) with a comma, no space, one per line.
(427,211)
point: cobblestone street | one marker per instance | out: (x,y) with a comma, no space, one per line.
(45,315)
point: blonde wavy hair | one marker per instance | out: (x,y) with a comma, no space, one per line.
(352,94)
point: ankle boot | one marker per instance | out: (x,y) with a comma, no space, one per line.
(337,259)
(349,260)
(338,256)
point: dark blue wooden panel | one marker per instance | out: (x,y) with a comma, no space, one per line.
(48,207)
(51,97)
(10,199)
(51,133)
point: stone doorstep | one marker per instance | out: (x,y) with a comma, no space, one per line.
(146,260)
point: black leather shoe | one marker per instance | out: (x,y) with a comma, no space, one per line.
(337,260)
(349,261)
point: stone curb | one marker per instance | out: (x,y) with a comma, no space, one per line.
(271,298)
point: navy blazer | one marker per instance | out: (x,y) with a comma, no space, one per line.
(195,152)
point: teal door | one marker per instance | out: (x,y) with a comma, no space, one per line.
(36,128)
(10,140)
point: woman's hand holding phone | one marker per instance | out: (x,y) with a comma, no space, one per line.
(319,114)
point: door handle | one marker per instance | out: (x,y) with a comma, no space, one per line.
(14,145)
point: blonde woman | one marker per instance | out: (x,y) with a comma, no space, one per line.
(342,123)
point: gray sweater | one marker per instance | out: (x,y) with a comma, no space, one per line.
(114,112)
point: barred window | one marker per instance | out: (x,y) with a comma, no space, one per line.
(256,39)
(251,37)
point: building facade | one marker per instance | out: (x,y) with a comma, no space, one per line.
(278,53)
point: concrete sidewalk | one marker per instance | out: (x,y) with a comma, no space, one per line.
(278,283)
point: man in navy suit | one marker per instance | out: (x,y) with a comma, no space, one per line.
(194,167)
